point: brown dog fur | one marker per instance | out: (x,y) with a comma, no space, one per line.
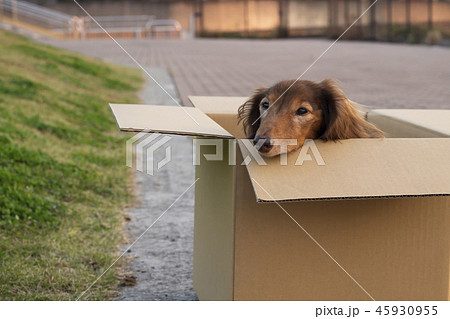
(330,115)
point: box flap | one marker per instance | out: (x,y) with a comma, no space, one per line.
(166,119)
(356,168)
(407,123)
(218,104)
(223,110)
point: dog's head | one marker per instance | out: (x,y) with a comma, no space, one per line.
(290,112)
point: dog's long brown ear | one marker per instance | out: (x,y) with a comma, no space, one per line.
(342,120)
(248,113)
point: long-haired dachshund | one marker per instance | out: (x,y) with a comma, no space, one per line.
(308,110)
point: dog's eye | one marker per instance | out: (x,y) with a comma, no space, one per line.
(302,111)
(265,105)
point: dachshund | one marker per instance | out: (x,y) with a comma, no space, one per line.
(301,110)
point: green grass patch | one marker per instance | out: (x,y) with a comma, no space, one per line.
(63,182)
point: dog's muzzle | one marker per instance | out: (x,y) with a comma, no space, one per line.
(266,146)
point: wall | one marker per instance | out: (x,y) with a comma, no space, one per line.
(308,14)
(240,16)
(419,11)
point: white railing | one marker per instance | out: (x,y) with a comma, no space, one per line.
(166,28)
(117,24)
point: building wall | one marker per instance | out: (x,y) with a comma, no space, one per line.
(223,16)
(308,14)
(419,12)
(180,11)
(262,15)
(238,16)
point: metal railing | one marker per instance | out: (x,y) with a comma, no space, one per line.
(117,24)
(163,28)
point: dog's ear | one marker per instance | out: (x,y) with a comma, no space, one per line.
(341,119)
(248,113)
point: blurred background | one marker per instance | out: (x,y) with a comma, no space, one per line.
(412,21)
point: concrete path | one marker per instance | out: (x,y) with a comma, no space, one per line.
(162,258)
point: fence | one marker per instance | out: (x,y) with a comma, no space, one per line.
(386,20)
(392,20)
(132,26)
(57,24)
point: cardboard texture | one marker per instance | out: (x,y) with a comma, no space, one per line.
(166,119)
(379,207)
(357,168)
(222,110)
(412,123)
(397,249)
(214,227)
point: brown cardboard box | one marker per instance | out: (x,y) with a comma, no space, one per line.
(372,223)
(412,123)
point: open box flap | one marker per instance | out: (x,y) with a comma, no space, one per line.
(223,110)
(356,168)
(166,119)
(435,122)
(217,104)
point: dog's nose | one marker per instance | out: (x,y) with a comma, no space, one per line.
(266,146)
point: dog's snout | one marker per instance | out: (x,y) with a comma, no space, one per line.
(266,145)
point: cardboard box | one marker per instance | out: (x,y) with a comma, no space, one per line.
(412,123)
(372,223)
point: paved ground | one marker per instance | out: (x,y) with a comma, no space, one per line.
(381,75)
(377,74)
(162,258)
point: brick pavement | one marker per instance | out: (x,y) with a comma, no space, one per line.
(376,74)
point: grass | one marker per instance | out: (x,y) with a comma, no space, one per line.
(63,182)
